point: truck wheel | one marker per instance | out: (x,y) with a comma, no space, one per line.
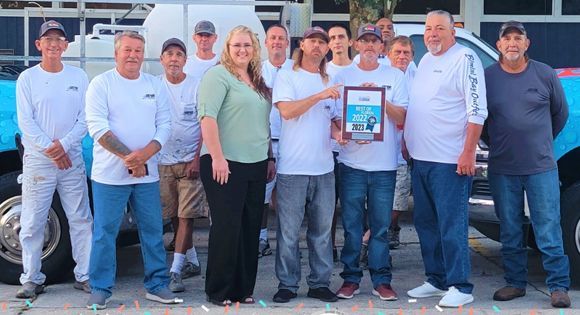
(570,211)
(56,251)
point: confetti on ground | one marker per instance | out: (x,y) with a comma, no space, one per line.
(227,309)
(189,310)
(166,311)
(121,308)
(263,303)
(471,311)
(28,303)
(95,308)
(460,309)
(136,304)
(299,307)
(370,304)
(66,306)
(423,310)
(380,313)
(4,306)
(328,307)
(561,312)
(204,308)
(412,300)
(355,308)
(533,312)
(400,311)
(237,306)
(439,308)
(147,313)
(496,309)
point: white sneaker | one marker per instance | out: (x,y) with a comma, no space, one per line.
(425,290)
(455,298)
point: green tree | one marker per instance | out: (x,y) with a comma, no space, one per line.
(368,11)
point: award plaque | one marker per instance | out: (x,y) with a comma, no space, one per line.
(363,113)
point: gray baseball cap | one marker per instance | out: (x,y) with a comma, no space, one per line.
(316,30)
(51,25)
(369,29)
(174,42)
(204,27)
(518,26)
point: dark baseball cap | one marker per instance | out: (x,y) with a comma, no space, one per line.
(51,25)
(174,42)
(204,27)
(369,29)
(316,30)
(512,25)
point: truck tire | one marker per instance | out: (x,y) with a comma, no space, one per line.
(57,262)
(570,221)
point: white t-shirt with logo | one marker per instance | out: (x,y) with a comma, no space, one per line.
(377,155)
(448,92)
(304,147)
(185,129)
(136,113)
(196,67)
(269,73)
(51,106)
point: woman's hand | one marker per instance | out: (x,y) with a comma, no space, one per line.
(221,170)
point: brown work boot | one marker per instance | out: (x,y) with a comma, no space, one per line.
(508,293)
(560,299)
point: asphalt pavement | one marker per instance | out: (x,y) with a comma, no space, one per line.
(129,294)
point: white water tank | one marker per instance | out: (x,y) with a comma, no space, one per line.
(166,21)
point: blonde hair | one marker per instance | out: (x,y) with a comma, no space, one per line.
(298,55)
(255,66)
(130,34)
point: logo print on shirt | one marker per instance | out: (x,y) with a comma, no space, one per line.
(438,71)
(149,97)
(73,88)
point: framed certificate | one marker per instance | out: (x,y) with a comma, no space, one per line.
(363,113)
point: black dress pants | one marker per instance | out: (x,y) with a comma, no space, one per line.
(236,216)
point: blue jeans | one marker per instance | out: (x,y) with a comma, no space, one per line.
(109,203)
(543,194)
(313,196)
(376,189)
(441,221)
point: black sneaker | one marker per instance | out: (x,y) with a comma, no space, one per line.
(29,290)
(393,236)
(264,248)
(190,270)
(284,296)
(324,294)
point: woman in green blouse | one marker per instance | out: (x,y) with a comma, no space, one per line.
(234,106)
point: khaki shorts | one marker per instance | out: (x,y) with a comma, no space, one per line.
(402,188)
(181,197)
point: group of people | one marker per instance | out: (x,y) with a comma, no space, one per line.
(212,132)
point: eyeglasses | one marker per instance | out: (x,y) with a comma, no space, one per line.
(369,41)
(55,39)
(240,46)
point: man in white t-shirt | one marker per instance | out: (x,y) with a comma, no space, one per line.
(276,43)
(306,99)
(445,117)
(182,194)
(129,121)
(204,36)
(50,103)
(368,171)
(400,52)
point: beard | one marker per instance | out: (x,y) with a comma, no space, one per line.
(434,48)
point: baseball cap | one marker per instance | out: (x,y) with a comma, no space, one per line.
(512,25)
(369,29)
(316,30)
(51,25)
(173,42)
(204,27)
